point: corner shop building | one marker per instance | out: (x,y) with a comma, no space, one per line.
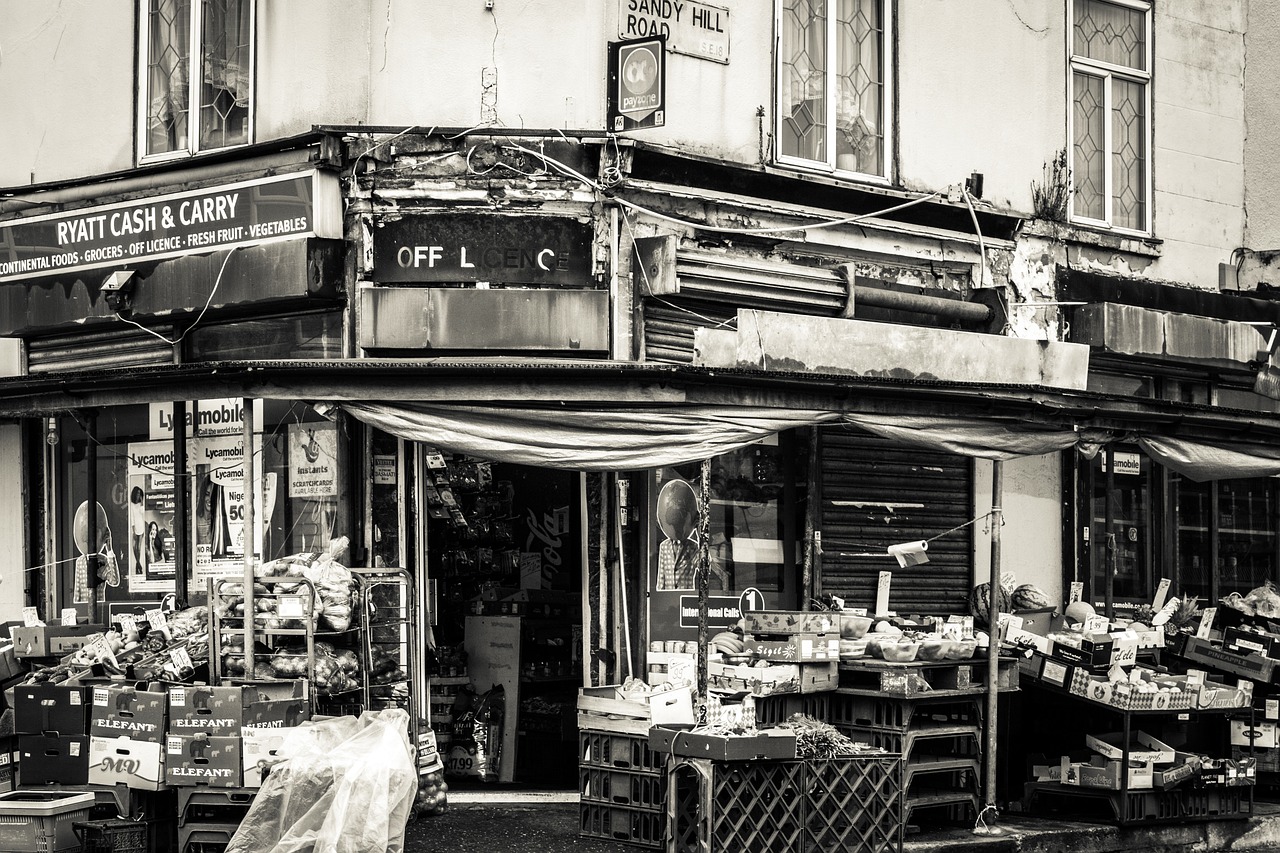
(331,306)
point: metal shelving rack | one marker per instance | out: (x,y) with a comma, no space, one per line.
(388,632)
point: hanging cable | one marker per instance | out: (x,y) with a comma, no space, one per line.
(173,343)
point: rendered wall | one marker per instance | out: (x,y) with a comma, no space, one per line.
(12,524)
(1030,540)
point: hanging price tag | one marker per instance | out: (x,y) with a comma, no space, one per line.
(1162,591)
(1272,711)
(157,620)
(181,658)
(31,617)
(435,462)
(290,607)
(68,616)
(882,593)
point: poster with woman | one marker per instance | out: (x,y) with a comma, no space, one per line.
(151,508)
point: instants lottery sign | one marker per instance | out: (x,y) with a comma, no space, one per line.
(263,210)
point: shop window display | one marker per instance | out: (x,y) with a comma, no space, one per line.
(299,504)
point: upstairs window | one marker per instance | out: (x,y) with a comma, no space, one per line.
(1110,116)
(832,71)
(196,71)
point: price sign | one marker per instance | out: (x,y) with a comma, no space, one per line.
(882,593)
(290,607)
(1272,711)
(1206,623)
(68,616)
(157,620)
(30,617)
(181,658)
(1162,591)
(1096,624)
(435,462)
(1076,592)
(127,623)
(99,649)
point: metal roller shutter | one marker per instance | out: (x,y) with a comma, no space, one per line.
(669,326)
(875,493)
(130,347)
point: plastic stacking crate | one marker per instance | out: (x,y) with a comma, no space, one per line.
(115,836)
(623,788)
(214,805)
(772,710)
(612,751)
(42,821)
(637,827)
(809,806)
(205,837)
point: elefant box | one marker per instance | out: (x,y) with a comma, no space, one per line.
(127,711)
(201,709)
(277,704)
(203,760)
(139,764)
(41,641)
(40,708)
(57,759)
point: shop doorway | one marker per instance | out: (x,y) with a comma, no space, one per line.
(502,551)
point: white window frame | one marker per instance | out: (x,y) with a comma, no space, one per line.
(193,84)
(886,119)
(1107,73)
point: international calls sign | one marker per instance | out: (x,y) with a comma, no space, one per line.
(637,83)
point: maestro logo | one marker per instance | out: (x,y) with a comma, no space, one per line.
(637,90)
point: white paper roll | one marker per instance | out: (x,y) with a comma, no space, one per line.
(910,553)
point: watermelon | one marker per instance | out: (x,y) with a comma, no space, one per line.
(1028,596)
(980,602)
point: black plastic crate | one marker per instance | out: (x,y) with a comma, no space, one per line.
(226,806)
(890,713)
(619,752)
(623,788)
(772,710)
(205,837)
(113,836)
(638,827)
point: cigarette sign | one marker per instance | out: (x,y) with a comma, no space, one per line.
(637,83)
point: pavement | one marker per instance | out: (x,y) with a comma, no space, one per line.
(502,822)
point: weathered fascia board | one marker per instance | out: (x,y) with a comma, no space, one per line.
(1167,336)
(797,219)
(770,341)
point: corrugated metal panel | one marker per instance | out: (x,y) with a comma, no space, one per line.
(758,284)
(669,326)
(876,493)
(125,347)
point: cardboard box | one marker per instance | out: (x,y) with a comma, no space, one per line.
(1243,641)
(10,666)
(797,648)
(139,764)
(8,763)
(1039,621)
(57,759)
(42,641)
(1253,666)
(201,759)
(768,743)
(674,706)
(772,622)
(201,709)
(774,679)
(1109,745)
(1262,735)
(40,708)
(1105,773)
(1098,652)
(261,748)
(127,711)
(276,704)
(1176,775)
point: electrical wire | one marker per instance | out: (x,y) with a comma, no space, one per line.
(173,343)
(568,171)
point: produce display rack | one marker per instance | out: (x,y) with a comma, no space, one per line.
(879,677)
(278,589)
(388,640)
(1144,806)
(849,804)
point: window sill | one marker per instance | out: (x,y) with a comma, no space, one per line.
(1147,247)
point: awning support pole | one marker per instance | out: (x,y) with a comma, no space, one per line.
(704,569)
(249,608)
(181,516)
(993,621)
(93,552)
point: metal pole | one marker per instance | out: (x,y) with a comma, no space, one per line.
(247,518)
(181,519)
(91,548)
(704,569)
(993,620)
(1110,534)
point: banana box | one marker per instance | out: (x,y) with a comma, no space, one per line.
(796,648)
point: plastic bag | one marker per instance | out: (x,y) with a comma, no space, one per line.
(347,786)
(1265,600)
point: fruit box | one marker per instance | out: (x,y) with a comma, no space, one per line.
(792,621)
(1105,773)
(38,641)
(774,679)
(797,648)
(1144,748)
(768,743)
(127,711)
(1254,666)
(1243,641)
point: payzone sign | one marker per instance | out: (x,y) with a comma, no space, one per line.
(637,83)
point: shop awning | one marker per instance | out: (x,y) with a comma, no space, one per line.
(596,415)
